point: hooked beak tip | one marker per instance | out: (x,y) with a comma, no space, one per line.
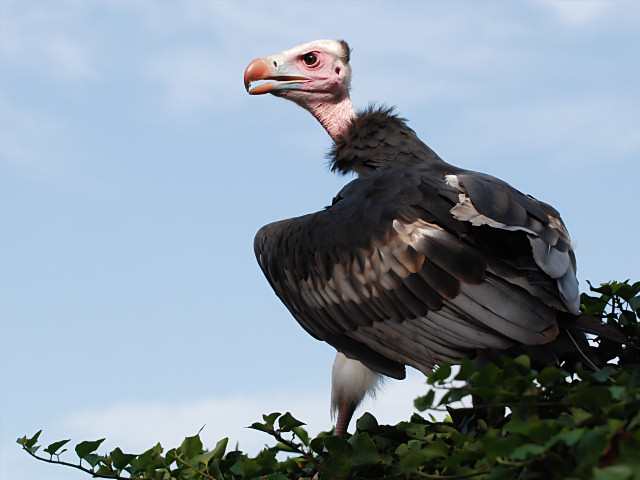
(259,69)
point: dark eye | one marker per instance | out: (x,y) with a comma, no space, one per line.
(310,59)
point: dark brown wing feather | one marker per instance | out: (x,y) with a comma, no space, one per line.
(388,275)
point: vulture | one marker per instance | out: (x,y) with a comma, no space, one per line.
(415,262)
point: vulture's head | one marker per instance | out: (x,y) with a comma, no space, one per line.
(316,72)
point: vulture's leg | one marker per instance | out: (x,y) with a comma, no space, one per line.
(350,382)
(345,412)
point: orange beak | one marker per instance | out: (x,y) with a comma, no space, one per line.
(265,69)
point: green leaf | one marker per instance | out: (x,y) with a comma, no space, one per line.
(500,447)
(84,449)
(120,460)
(271,418)
(426,401)
(366,422)
(523,361)
(336,446)
(283,447)
(317,444)
(365,452)
(275,476)
(604,288)
(568,436)
(55,446)
(436,449)
(615,472)
(441,374)
(302,434)
(467,368)
(595,396)
(592,442)
(148,459)
(519,425)
(454,395)
(634,303)
(220,448)
(191,446)
(261,427)
(287,422)
(410,456)
(487,376)
(28,443)
(525,451)
(624,291)
(550,375)
(93,459)
(238,467)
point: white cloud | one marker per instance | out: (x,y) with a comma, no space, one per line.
(32,139)
(70,58)
(47,37)
(591,16)
(575,129)
(138,426)
(580,13)
(193,78)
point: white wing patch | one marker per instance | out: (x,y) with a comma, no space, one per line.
(465,211)
(452,181)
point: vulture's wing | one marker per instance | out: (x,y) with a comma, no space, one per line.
(392,274)
(486,200)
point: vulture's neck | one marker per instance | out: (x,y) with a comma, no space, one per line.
(335,117)
(377,139)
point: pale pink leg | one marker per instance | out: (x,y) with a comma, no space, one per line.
(345,412)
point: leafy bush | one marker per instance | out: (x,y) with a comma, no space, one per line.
(556,422)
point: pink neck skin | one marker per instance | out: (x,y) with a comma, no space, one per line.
(334,117)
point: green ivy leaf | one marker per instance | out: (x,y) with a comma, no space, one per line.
(426,401)
(594,397)
(336,446)
(302,434)
(83,449)
(550,375)
(365,452)
(270,419)
(366,423)
(261,427)
(93,459)
(523,452)
(467,369)
(410,456)
(500,447)
(634,303)
(441,374)
(454,395)
(29,443)
(120,460)
(524,362)
(287,422)
(55,446)
(615,472)
(191,446)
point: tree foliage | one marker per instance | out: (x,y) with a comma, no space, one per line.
(556,422)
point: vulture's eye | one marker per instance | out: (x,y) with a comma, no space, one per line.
(310,58)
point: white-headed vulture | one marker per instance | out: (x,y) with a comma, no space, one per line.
(416,262)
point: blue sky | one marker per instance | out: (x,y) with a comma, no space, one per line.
(135,171)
